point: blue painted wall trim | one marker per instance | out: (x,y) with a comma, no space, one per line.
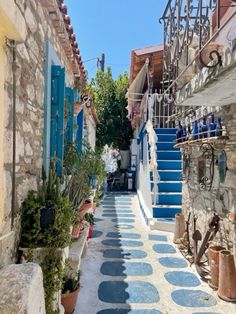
(51,59)
(57,116)
(79,132)
(70,95)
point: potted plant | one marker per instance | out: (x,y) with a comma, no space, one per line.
(70,290)
(85,208)
(46,219)
(46,216)
(89,217)
(77,229)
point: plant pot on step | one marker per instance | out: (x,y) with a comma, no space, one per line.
(90,232)
(213,254)
(179,227)
(69,301)
(76,231)
(85,208)
(227,276)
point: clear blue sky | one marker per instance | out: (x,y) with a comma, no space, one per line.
(115,27)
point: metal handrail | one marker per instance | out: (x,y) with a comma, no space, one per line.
(175,35)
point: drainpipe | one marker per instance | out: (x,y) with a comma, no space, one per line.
(12,45)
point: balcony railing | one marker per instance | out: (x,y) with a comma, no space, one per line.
(189,25)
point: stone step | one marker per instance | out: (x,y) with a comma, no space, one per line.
(165,211)
(165,130)
(163,224)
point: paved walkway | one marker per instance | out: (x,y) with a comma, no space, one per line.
(130,269)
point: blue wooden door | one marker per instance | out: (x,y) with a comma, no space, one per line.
(57,116)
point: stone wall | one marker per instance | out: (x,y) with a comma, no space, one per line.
(222,196)
(23,289)
(30,86)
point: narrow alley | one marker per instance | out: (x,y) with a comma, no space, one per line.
(129,269)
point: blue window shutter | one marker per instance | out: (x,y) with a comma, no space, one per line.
(57,116)
(79,134)
(70,108)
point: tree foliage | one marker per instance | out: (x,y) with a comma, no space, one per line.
(110,102)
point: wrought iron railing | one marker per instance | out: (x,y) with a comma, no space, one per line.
(188,26)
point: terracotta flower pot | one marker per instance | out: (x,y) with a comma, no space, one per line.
(179,227)
(227,276)
(85,208)
(90,232)
(213,253)
(69,300)
(77,230)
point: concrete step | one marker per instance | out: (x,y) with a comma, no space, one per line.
(168,175)
(165,146)
(165,211)
(166,138)
(168,155)
(169,198)
(163,224)
(165,130)
(168,186)
(169,164)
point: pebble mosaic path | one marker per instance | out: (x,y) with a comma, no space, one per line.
(130,269)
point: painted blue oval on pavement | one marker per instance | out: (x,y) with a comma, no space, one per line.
(193,298)
(128,311)
(172,262)
(182,279)
(124,254)
(124,226)
(113,242)
(125,220)
(127,292)
(126,269)
(157,237)
(164,248)
(123,235)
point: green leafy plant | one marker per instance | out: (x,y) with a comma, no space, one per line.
(55,237)
(80,167)
(71,282)
(110,102)
(89,217)
(53,273)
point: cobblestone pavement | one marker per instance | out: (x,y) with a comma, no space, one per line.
(130,269)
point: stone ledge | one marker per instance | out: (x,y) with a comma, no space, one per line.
(21,289)
(38,253)
(78,249)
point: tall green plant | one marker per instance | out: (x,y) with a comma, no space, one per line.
(80,167)
(110,102)
(57,235)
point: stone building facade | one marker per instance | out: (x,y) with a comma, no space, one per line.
(212,91)
(221,198)
(38,33)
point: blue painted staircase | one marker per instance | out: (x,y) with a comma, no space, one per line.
(169,198)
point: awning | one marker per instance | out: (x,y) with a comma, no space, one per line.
(135,91)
